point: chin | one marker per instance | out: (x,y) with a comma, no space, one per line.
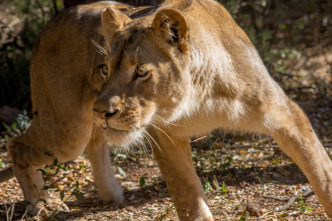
(124,138)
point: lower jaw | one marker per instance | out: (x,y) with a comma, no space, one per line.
(122,137)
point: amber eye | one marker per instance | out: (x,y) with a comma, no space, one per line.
(103,70)
(141,72)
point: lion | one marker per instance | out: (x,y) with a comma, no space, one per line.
(171,72)
(184,70)
(66,79)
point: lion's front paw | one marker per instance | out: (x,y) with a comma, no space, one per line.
(115,194)
(47,208)
(57,205)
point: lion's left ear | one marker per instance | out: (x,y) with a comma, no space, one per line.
(173,27)
(112,20)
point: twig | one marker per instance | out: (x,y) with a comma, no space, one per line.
(9,212)
(12,212)
(201,138)
(25,214)
(290,201)
(265,214)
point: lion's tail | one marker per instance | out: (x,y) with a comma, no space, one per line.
(6,174)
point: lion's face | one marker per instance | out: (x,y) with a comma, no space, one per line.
(146,79)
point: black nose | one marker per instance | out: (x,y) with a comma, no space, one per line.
(105,114)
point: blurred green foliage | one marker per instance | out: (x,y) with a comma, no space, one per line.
(20,124)
(283,24)
(286,23)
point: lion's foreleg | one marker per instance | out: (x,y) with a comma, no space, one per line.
(174,159)
(98,153)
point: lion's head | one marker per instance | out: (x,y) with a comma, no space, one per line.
(146,74)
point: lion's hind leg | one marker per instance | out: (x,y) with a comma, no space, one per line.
(98,153)
(27,159)
(291,129)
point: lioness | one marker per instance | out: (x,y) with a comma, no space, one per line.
(66,78)
(180,71)
(185,70)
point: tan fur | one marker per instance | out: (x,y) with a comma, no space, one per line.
(65,82)
(197,71)
(202,72)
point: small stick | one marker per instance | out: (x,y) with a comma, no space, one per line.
(290,201)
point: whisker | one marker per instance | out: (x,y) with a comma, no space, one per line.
(141,145)
(127,149)
(144,150)
(163,132)
(137,142)
(145,132)
(147,138)
(101,50)
(165,122)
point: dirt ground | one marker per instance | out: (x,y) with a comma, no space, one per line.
(239,172)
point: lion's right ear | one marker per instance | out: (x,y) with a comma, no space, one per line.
(112,20)
(172,25)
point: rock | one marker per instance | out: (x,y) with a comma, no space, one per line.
(8,114)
